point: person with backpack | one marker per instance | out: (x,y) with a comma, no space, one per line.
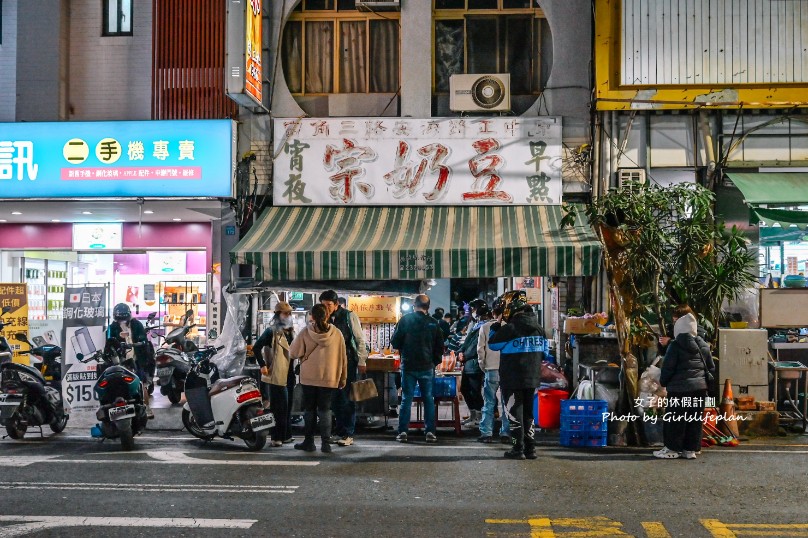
(348,324)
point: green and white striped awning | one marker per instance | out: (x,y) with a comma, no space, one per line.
(411,243)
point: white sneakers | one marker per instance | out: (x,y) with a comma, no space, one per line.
(668,454)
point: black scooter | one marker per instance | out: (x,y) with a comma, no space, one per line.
(32,396)
(174,360)
(122,413)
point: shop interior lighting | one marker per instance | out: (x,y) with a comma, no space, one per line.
(176,220)
(406,305)
(148,212)
(3,220)
(55,220)
(16,213)
(86,212)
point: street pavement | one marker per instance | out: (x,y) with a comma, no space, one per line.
(174,485)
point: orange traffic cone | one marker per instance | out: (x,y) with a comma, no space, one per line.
(728,408)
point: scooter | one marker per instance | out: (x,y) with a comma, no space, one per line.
(122,413)
(32,396)
(174,360)
(225,408)
(178,338)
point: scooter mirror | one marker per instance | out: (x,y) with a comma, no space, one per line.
(6,309)
(22,337)
(151,316)
(189,313)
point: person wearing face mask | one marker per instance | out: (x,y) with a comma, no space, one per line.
(272,354)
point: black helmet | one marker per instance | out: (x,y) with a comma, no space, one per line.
(483,311)
(476,304)
(121,312)
(513,302)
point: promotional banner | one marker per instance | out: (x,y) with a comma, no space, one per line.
(253,75)
(403,161)
(74,159)
(15,297)
(375,309)
(85,318)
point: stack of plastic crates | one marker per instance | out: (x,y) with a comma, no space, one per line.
(583,424)
(442,387)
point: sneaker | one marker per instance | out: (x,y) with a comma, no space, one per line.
(290,440)
(469,421)
(486,439)
(688,454)
(276,443)
(325,447)
(392,413)
(431,438)
(307,445)
(531,455)
(505,439)
(345,441)
(514,454)
(666,454)
(401,437)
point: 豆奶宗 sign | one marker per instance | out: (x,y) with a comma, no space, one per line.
(403,161)
(375,309)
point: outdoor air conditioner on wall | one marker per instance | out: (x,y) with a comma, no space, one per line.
(480,93)
(378,5)
(633,175)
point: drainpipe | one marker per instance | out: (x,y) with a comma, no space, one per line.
(706,133)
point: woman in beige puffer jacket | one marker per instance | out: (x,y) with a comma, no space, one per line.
(323,369)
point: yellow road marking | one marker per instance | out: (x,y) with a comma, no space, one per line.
(655,529)
(544,527)
(734,530)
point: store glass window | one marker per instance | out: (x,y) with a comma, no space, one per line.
(331,47)
(490,36)
(117,18)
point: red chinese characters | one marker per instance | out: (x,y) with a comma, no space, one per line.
(347,163)
(485,169)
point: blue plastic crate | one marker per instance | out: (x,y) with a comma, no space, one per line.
(444,387)
(584,408)
(583,438)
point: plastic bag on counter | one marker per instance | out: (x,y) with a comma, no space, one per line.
(552,376)
(230,360)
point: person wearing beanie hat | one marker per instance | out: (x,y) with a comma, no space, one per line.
(271,351)
(687,367)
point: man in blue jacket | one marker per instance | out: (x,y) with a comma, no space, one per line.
(419,340)
(521,343)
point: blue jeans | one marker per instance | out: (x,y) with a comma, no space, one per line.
(489,402)
(425,379)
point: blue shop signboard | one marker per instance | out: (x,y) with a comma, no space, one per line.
(121,159)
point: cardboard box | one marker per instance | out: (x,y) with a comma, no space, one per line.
(581,326)
(766,406)
(746,403)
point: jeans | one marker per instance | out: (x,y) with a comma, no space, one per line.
(425,379)
(317,404)
(342,406)
(279,405)
(519,404)
(490,402)
(684,433)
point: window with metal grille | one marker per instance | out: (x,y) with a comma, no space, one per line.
(117,18)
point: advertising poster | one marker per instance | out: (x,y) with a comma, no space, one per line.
(15,296)
(375,309)
(85,317)
(252,85)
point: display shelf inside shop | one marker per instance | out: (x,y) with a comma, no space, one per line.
(377,335)
(34,273)
(178,296)
(57,281)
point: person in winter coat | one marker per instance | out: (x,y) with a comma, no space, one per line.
(323,369)
(521,343)
(471,380)
(687,367)
(489,363)
(271,351)
(420,341)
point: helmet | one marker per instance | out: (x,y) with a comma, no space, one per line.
(513,302)
(483,311)
(476,304)
(121,312)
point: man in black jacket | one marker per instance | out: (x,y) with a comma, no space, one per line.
(521,343)
(419,340)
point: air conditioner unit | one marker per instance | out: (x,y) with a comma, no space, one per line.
(378,5)
(631,176)
(476,93)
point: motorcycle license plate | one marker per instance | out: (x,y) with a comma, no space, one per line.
(118,413)
(6,399)
(264,422)
(165,372)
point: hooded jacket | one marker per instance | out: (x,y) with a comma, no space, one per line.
(489,359)
(686,359)
(521,346)
(323,358)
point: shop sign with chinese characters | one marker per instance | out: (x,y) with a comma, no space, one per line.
(375,309)
(188,158)
(14,298)
(403,161)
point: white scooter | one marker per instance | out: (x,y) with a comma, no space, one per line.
(225,408)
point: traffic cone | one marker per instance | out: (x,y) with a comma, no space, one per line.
(728,408)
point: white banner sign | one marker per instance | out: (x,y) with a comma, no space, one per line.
(403,161)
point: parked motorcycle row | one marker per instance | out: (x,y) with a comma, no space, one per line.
(31,396)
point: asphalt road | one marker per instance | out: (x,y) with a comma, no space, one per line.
(70,485)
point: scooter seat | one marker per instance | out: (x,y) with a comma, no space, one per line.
(224,384)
